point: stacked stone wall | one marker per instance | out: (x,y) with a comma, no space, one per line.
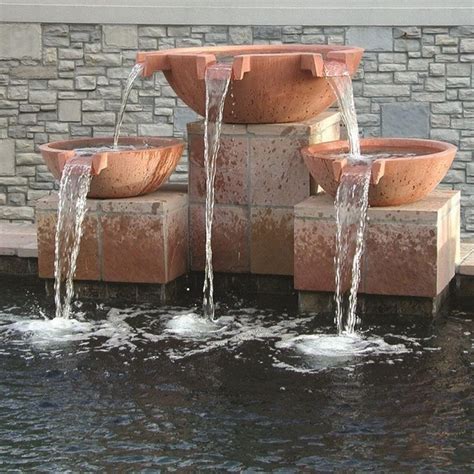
(65,80)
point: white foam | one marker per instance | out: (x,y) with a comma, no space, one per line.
(193,325)
(44,331)
(313,353)
(340,346)
(179,333)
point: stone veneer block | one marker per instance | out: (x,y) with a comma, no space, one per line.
(406,119)
(411,250)
(20,41)
(230,239)
(231,183)
(260,177)
(134,240)
(7,157)
(271,243)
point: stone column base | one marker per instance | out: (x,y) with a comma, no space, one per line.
(411,250)
(135,240)
(260,177)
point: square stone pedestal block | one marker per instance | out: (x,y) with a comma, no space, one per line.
(134,240)
(260,177)
(411,250)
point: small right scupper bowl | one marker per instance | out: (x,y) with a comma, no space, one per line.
(411,170)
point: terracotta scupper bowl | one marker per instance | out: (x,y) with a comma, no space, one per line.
(395,180)
(124,173)
(269,83)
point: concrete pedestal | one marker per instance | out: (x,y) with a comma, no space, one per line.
(411,250)
(135,240)
(260,177)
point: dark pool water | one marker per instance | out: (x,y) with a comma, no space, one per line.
(121,390)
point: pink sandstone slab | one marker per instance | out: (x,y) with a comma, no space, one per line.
(230,239)
(278,175)
(232,170)
(134,240)
(271,241)
(260,177)
(411,250)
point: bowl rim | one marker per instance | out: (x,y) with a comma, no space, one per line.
(253,49)
(58,146)
(435,148)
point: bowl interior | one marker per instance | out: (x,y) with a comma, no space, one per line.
(390,148)
(139,142)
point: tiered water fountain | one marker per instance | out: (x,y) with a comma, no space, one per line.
(236,387)
(252,209)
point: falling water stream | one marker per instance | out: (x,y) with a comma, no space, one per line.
(352,200)
(134,73)
(217,85)
(351,204)
(73,189)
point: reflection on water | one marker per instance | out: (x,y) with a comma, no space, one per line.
(124,389)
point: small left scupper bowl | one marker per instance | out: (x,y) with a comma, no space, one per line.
(140,165)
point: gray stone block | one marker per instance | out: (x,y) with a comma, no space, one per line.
(437,69)
(445,135)
(61,84)
(156,130)
(455,177)
(98,118)
(405,120)
(458,70)
(7,157)
(182,116)
(18,92)
(69,110)
(152,31)
(240,35)
(455,82)
(56,41)
(35,72)
(407,32)
(410,45)
(446,40)
(103,59)
(16,199)
(379,90)
(372,39)
(467,45)
(17,212)
(267,32)
(86,83)
(179,31)
(93,105)
(56,30)
(466,94)
(435,84)
(447,108)
(70,53)
(406,77)
(43,97)
(120,36)
(20,41)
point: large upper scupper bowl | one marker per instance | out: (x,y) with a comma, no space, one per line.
(124,173)
(269,84)
(394,181)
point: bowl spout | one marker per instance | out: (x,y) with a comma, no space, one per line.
(403,170)
(99,160)
(268,84)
